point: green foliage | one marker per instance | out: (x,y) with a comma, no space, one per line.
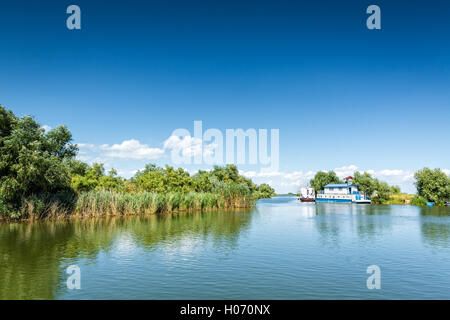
(32,162)
(419,200)
(76,167)
(222,180)
(265,191)
(364,182)
(321,179)
(433,185)
(379,191)
(155,179)
(95,179)
(40,177)
(395,190)
(382,191)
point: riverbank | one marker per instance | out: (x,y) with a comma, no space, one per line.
(108,203)
(400,198)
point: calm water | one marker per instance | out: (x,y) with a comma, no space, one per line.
(280,250)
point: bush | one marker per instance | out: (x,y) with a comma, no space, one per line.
(419,201)
(32,162)
(433,185)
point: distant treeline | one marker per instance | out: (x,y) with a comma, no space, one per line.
(432,186)
(40,177)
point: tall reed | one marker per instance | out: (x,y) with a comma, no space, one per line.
(97,203)
(109,203)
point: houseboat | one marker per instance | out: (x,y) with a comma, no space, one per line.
(307,195)
(345,193)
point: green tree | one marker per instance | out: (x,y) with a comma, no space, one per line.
(321,179)
(112,182)
(202,181)
(395,190)
(177,180)
(364,182)
(32,162)
(95,179)
(382,191)
(265,191)
(433,185)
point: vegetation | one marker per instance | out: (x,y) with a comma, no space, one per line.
(379,191)
(400,198)
(31,161)
(40,177)
(432,186)
(95,179)
(321,179)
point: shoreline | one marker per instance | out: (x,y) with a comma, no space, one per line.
(62,218)
(93,216)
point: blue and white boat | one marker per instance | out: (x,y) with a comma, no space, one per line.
(343,192)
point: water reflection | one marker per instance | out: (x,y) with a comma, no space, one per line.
(281,249)
(34,256)
(366,221)
(31,254)
(435,226)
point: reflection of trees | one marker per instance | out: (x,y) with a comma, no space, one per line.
(436,233)
(368,221)
(216,226)
(372,221)
(327,222)
(435,226)
(435,211)
(33,256)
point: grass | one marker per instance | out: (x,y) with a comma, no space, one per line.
(107,203)
(400,198)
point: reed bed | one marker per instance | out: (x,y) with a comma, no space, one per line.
(99,203)
(109,203)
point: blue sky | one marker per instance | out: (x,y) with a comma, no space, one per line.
(341,95)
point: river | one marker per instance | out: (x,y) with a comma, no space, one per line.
(281,249)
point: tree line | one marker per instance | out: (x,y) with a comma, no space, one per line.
(39,170)
(432,186)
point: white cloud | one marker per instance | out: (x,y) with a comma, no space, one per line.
(189,146)
(292,184)
(268,174)
(132,149)
(46,128)
(128,149)
(408,176)
(248,174)
(345,171)
(281,181)
(388,172)
(446,171)
(296,175)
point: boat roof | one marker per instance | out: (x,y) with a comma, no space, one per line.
(339,185)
